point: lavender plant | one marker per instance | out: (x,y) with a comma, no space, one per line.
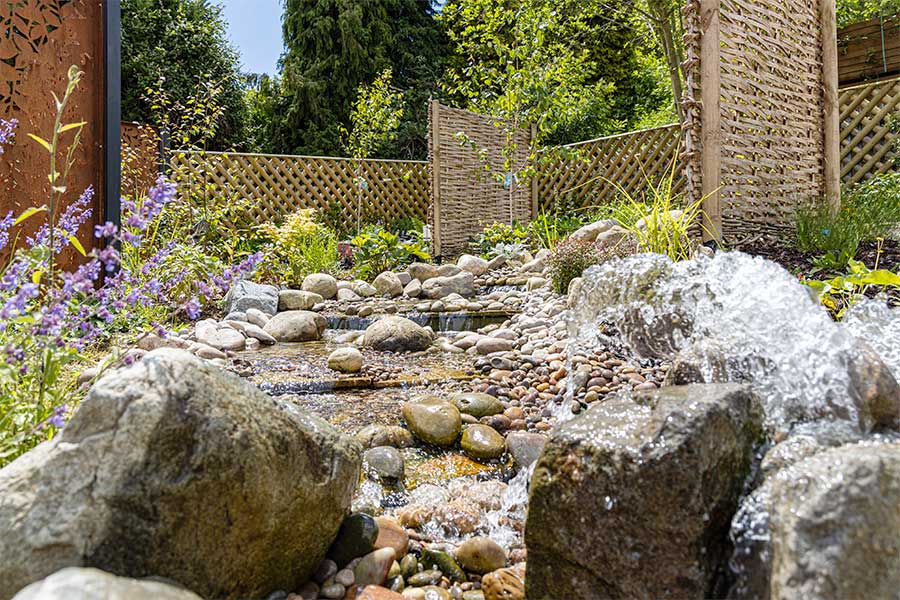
(50,317)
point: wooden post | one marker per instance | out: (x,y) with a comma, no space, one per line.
(532,144)
(710,116)
(832,125)
(434,133)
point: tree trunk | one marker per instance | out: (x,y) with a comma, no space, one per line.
(663,26)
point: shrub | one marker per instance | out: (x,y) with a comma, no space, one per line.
(377,249)
(299,246)
(570,258)
(869,211)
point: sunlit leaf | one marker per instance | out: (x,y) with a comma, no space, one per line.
(29,213)
(41,141)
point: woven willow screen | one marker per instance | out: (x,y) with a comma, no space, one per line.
(760,133)
(630,160)
(277,185)
(464,196)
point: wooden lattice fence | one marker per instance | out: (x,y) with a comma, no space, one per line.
(633,161)
(868,137)
(276,185)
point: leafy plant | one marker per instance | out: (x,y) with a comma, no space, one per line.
(377,249)
(550,227)
(496,234)
(375,117)
(665,227)
(839,293)
(299,246)
(869,211)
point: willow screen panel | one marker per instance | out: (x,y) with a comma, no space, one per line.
(276,185)
(466,151)
(757,111)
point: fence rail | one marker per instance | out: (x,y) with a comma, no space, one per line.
(278,184)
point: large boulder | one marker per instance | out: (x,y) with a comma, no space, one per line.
(296,326)
(634,498)
(297,300)
(440,287)
(245,295)
(589,232)
(388,284)
(422,271)
(322,284)
(834,525)
(473,264)
(396,334)
(174,468)
(76,583)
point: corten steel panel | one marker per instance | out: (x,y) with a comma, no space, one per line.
(39,41)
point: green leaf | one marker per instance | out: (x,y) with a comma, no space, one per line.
(74,241)
(30,212)
(41,141)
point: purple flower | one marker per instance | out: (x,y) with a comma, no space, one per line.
(5,223)
(7,132)
(107,230)
(192,309)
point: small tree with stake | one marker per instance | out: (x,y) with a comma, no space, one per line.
(374,117)
(537,78)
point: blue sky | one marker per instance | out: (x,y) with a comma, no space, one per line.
(254,27)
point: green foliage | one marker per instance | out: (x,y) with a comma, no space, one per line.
(498,234)
(840,293)
(331,46)
(869,211)
(664,229)
(551,227)
(180,42)
(377,249)
(851,11)
(298,247)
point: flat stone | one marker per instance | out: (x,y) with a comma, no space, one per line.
(422,271)
(296,326)
(246,295)
(396,334)
(374,435)
(477,404)
(490,345)
(376,592)
(462,283)
(348,295)
(413,289)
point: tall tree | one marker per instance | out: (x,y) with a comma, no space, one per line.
(333,46)
(851,11)
(181,45)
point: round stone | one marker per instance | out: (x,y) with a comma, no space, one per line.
(481,441)
(322,284)
(433,421)
(355,538)
(481,555)
(384,463)
(374,435)
(346,360)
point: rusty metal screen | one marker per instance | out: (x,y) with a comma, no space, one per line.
(756,110)
(464,196)
(39,40)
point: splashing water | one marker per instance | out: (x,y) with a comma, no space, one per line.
(513,506)
(738,318)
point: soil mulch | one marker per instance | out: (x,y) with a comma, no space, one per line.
(799,262)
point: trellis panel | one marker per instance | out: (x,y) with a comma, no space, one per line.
(633,161)
(277,185)
(868,139)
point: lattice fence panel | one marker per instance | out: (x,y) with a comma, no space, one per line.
(466,197)
(276,185)
(140,158)
(633,161)
(868,140)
